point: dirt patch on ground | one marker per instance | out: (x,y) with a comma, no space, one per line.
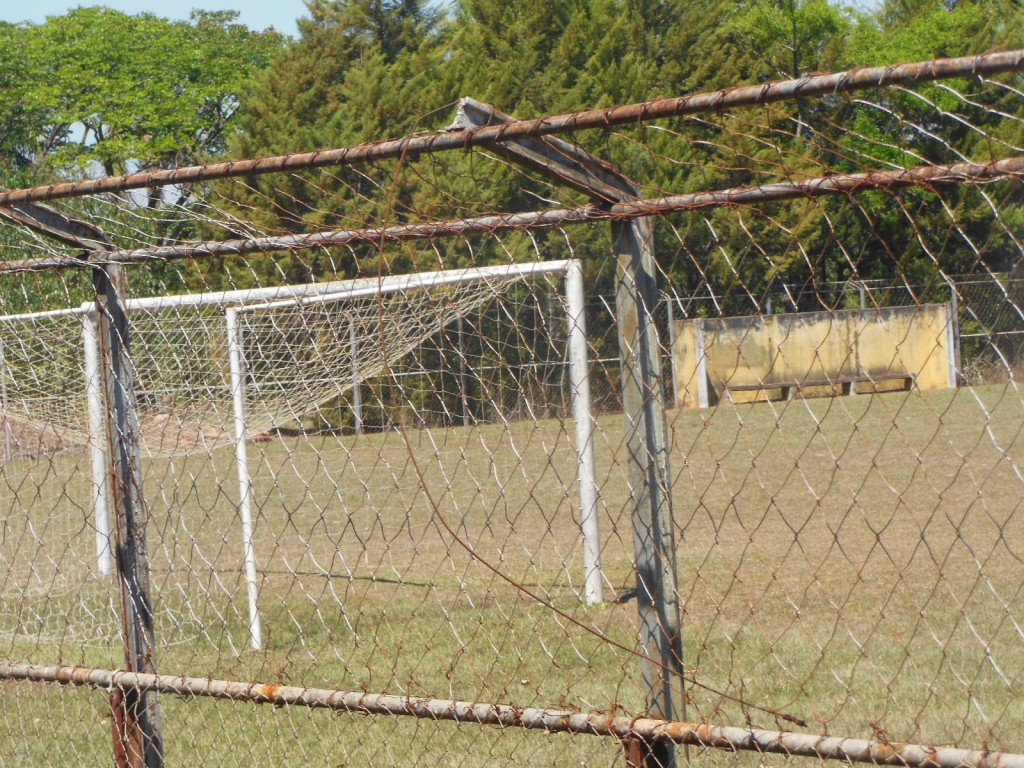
(25,439)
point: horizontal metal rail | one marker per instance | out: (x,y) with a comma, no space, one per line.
(848,184)
(550,720)
(304,293)
(404,284)
(461,138)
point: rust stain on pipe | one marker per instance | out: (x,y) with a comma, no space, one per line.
(269,691)
(848,184)
(644,730)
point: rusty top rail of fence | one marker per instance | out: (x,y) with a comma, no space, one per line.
(814,187)
(461,138)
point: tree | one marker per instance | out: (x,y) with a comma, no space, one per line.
(367,69)
(98,91)
(898,129)
(790,38)
(97,88)
(360,70)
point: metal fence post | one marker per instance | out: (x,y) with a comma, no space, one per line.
(649,479)
(636,300)
(138,742)
(236,364)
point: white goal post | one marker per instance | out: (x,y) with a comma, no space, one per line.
(223,319)
(579,388)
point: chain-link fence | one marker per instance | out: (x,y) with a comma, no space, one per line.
(331,462)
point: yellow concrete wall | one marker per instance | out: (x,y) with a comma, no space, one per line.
(771,351)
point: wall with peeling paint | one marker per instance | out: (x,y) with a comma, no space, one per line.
(762,357)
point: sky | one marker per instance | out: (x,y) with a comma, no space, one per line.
(255,14)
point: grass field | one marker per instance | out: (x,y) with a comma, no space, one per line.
(856,562)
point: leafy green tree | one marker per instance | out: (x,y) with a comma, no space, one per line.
(360,70)
(789,38)
(915,232)
(21,123)
(97,87)
(98,91)
(895,128)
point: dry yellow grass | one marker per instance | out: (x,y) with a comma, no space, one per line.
(853,561)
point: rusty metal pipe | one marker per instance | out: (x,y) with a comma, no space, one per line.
(804,87)
(848,184)
(556,721)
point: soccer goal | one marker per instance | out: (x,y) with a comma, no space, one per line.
(225,368)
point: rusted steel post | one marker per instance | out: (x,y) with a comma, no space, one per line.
(137,735)
(650,481)
(136,716)
(643,398)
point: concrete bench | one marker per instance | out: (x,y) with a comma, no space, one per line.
(847,384)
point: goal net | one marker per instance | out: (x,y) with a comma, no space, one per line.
(215,371)
(302,346)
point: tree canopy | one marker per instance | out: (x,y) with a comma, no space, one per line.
(100,88)
(368,69)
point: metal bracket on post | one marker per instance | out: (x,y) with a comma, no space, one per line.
(643,400)
(559,160)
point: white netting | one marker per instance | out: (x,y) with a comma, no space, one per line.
(426,350)
(302,346)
